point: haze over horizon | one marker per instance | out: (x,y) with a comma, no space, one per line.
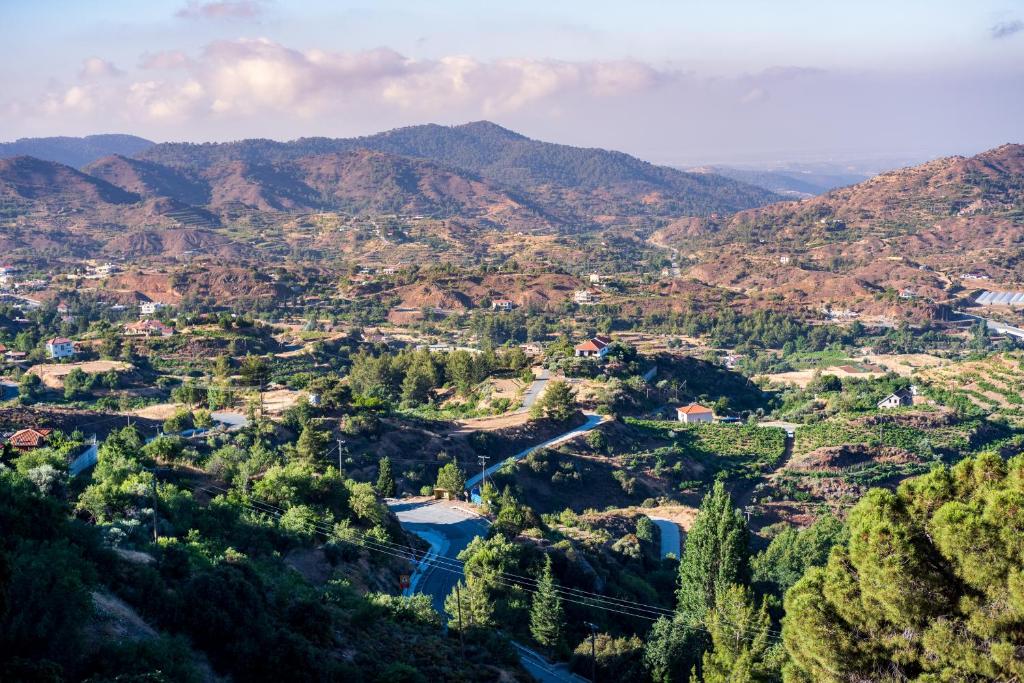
(672,83)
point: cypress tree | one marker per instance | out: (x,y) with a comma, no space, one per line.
(715,555)
(740,639)
(385,480)
(546,615)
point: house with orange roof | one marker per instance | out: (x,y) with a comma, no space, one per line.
(694,413)
(60,347)
(29,439)
(595,347)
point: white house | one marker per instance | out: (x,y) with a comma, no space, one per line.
(502,305)
(148,328)
(593,348)
(694,413)
(586,296)
(151,307)
(60,347)
(903,397)
(595,278)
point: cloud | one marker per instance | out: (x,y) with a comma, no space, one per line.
(167,59)
(1005,29)
(94,67)
(250,76)
(227,9)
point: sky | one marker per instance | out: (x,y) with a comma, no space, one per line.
(680,82)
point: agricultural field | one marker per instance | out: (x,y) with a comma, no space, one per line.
(991,384)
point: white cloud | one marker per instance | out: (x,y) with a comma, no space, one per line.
(167,59)
(238,9)
(94,67)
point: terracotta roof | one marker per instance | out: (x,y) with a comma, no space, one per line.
(59,340)
(29,438)
(595,344)
(693,409)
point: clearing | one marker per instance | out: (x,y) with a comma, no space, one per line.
(53,374)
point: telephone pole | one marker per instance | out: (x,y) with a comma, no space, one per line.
(483,471)
(341,444)
(156,532)
(593,651)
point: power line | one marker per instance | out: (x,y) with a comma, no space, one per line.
(507,579)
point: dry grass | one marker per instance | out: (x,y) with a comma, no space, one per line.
(53,374)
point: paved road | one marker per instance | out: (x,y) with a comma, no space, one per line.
(592,421)
(535,390)
(670,537)
(995,325)
(448,529)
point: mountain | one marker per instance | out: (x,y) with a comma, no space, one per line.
(55,186)
(914,230)
(76,152)
(148,179)
(582,183)
(791,183)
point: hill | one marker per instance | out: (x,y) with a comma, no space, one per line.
(589,182)
(914,230)
(76,152)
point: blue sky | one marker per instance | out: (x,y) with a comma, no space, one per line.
(683,81)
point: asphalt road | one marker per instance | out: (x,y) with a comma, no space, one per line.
(670,536)
(535,390)
(449,530)
(592,421)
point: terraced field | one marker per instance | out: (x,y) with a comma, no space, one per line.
(993,384)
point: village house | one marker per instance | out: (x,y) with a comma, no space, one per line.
(60,347)
(586,296)
(502,305)
(151,307)
(595,278)
(29,439)
(694,413)
(898,399)
(148,328)
(596,347)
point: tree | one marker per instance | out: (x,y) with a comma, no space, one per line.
(928,585)
(792,552)
(618,659)
(77,384)
(451,478)
(385,480)
(420,380)
(672,648)
(558,402)
(715,555)
(477,609)
(740,639)
(547,619)
(312,443)
(255,370)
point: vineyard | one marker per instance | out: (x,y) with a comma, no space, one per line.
(995,383)
(950,440)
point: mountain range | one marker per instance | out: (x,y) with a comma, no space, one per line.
(482,174)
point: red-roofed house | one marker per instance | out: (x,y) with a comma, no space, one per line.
(29,439)
(694,413)
(597,347)
(60,347)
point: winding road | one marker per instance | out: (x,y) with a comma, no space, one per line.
(449,528)
(670,537)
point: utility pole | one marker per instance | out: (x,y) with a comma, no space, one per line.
(341,444)
(458,600)
(156,532)
(593,651)
(483,471)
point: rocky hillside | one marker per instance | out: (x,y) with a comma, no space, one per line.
(913,231)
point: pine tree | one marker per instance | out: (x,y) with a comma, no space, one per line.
(477,607)
(740,639)
(451,478)
(715,555)
(385,480)
(546,616)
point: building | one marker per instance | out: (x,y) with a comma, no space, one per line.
(151,307)
(595,278)
(60,347)
(596,347)
(148,328)
(903,397)
(29,439)
(586,296)
(502,305)
(694,413)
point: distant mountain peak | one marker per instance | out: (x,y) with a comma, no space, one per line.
(489,128)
